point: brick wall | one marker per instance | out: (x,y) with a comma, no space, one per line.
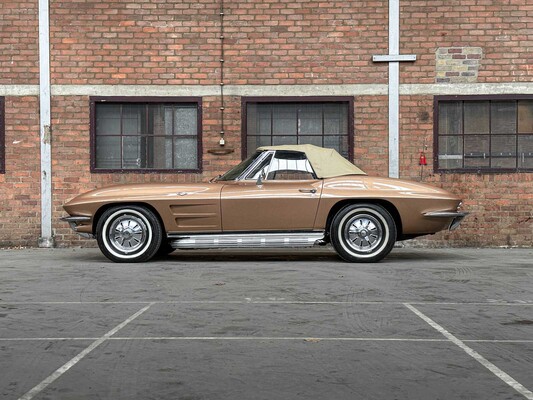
(19,43)
(267,42)
(19,186)
(502,29)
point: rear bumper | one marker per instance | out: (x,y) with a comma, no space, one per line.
(455,216)
(75,222)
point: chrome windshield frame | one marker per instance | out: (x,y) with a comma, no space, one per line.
(257,161)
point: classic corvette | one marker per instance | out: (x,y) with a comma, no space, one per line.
(282,196)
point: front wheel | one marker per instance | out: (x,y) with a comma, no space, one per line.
(129,234)
(363,233)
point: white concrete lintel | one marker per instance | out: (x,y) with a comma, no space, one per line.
(371,89)
(214,90)
(19,90)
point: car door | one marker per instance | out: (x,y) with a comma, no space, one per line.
(286,197)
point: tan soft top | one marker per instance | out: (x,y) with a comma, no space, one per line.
(327,163)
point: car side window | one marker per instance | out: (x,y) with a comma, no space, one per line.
(260,169)
(290,165)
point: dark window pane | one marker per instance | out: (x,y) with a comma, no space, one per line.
(161,148)
(279,140)
(310,119)
(316,140)
(339,143)
(259,119)
(503,151)
(143,136)
(133,119)
(525,116)
(503,117)
(525,151)
(302,123)
(108,149)
(284,119)
(450,118)
(253,142)
(335,119)
(131,152)
(451,152)
(185,121)
(476,151)
(185,154)
(493,132)
(108,119)
(476,117)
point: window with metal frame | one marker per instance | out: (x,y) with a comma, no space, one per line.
(145,134)
(481,133)
(322,121)
(2,137)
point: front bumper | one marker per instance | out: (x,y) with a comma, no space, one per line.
(455,216)
(75,221)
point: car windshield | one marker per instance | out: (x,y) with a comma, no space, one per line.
(236,171)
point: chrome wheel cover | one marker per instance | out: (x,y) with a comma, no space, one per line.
(363,233)
(127,233)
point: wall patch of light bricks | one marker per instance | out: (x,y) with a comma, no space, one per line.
(458,64)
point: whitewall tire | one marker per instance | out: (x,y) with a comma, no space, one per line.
(363,233)
(129,234)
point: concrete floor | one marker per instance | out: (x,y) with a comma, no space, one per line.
(422,324)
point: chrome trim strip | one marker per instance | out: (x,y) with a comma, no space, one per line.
(445,214)
(75,218)
(247,240)
(456,215)
(257,161)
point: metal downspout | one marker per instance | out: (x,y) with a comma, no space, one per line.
(46,239)
(394,90)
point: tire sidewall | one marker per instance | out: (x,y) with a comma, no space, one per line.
(346,214)
(153,240)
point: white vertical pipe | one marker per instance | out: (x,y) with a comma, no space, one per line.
(46,239)
(394,90)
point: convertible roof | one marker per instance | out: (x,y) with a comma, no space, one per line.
(327,163)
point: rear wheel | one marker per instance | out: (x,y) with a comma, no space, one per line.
(129,234)
(363,233)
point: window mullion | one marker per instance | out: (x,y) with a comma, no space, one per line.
(122,136)
(463,132)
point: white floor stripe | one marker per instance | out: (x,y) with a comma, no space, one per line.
(64,368)
(474,354)
(331,339)
(288,338)
(521,303)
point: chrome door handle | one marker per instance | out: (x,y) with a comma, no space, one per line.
(307,190)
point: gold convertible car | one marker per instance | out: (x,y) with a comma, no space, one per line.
(282,196)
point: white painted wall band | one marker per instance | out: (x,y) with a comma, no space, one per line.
(377,89)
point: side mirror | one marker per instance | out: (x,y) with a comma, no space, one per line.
(260,178)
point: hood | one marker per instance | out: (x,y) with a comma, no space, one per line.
(137,192)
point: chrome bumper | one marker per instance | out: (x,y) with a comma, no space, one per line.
(456,216)
(74,221)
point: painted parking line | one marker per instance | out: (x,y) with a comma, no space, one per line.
(488,303)
(509,380)
(260,338)
(65,367)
